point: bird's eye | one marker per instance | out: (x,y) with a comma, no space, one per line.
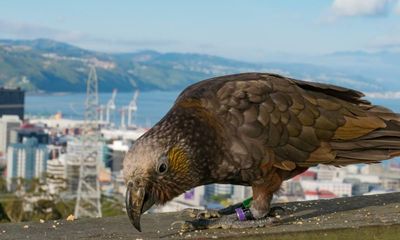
(162,168)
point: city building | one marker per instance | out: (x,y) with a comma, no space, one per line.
(28,130)
(240,193)
(117,151)
(8,123)
(26,160)
(12,102)
(327,188)
(193,198)
(217,190)
(55,176)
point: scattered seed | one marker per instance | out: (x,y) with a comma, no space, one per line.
(71,217)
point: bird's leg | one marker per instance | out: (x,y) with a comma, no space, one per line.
(258,214)
(216,213)
(241,217)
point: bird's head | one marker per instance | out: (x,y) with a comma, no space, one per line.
(157,168)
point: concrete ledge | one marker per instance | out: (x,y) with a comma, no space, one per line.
(365,217)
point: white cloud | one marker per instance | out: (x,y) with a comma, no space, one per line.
(362,7)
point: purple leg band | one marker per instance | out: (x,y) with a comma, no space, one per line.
(240,214)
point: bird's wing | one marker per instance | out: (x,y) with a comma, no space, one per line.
(296,123)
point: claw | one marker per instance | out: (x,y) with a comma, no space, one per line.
(184,225)
(201,214)
(275,211)
(192,212)
(197,224)
(207,214)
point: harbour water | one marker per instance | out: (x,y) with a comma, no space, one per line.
(152,105)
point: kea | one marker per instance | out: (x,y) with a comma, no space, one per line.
(252,129)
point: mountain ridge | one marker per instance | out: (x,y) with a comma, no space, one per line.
(44,65)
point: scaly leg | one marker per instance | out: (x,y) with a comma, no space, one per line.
(259,214)
(216,213)
(225,221)
(212,213)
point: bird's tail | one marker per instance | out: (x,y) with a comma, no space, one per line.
(380,144)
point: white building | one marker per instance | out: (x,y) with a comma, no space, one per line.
(339,189)
(330,173)
(124,134)
(7,123)
(56,174)
(193,198)
(60,123)
(240,193)
(118,149)
(26,160)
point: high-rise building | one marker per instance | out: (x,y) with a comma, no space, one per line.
(219,189)
(12,102)
(117,151)
(26,160)
(8,123)
(28,130)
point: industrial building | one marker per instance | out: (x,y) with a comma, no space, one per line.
(12,102)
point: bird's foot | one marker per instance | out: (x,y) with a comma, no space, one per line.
(211,213)
(202,214)
(276,211)
(225,222)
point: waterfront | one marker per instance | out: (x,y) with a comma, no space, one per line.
(152,105)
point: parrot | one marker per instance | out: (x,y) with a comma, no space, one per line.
(252,129)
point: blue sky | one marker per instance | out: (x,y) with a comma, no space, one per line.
(246,30)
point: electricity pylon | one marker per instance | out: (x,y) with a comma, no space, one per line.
(88,196)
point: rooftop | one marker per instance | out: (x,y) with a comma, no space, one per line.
(374,217)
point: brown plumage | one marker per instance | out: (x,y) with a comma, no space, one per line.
(259,129)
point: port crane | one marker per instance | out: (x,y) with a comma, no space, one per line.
(108,108)
(110,105)
(132,108)
(129,110)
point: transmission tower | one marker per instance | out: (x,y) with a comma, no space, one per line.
(88,196)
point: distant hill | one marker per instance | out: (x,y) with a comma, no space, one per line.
(50,66)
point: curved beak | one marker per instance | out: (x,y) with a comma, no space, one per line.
(137,202)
